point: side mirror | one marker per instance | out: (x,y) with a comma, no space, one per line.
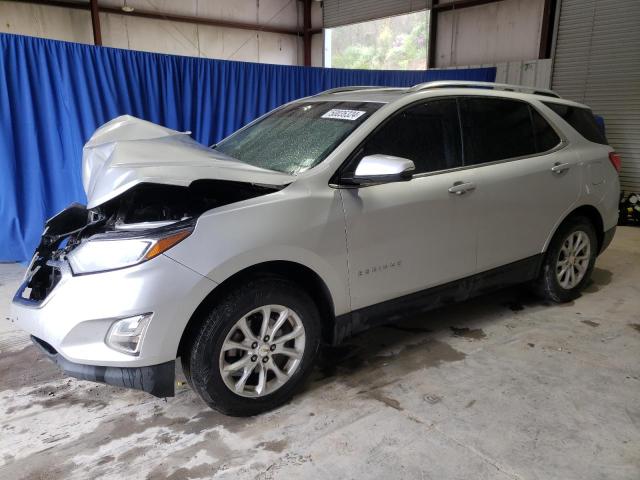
(379,168)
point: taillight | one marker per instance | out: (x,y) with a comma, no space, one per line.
(615,160)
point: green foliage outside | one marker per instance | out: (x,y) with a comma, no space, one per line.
(394,43)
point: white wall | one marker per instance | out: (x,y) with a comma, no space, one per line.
(171,37)
(491,33)
(529,73)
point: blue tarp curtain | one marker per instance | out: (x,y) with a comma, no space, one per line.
(53,95)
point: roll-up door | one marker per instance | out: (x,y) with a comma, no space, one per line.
(597,62)
(344,12)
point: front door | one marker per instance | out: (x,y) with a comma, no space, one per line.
(408,236)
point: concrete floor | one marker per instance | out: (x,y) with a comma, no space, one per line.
(500,387)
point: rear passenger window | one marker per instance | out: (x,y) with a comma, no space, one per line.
(582,120)
(428,134)
(546,136)
(496,129)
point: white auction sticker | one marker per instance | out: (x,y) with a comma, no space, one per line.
(340,114)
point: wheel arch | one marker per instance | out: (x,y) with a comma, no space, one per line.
(310,281)
(588,211)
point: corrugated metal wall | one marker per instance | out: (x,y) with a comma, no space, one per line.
(344,12)
(597,62)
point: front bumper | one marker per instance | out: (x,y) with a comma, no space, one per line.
(158,380)
(75,317)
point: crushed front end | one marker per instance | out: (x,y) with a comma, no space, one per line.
(102,300)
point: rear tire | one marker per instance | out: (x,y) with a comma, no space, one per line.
(569,261)
(235,365)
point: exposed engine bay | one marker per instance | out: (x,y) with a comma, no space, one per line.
(142,181)
(145,209)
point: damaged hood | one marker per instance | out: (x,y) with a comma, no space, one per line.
(128,151)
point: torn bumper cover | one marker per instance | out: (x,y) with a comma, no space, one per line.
(158,380)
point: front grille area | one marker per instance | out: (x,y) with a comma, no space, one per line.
(61,234)
(43,279)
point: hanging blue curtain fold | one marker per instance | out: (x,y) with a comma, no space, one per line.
(53,95)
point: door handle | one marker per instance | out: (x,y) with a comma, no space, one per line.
(560,167)
(460,188)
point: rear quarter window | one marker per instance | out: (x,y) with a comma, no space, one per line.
(582,120)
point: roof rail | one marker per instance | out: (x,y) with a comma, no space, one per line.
(347,89)
(496,86)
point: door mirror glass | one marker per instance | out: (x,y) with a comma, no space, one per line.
(380,168)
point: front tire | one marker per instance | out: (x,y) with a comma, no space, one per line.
(255,348)
(569,261)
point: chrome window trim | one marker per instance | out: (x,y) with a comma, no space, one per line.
(560,146)
(563,144)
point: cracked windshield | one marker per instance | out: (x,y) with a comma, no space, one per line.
(298,136)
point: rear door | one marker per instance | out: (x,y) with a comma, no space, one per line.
(526,180)
(407,236)
(600,178)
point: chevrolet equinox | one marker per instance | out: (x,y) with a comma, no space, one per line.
(322,218)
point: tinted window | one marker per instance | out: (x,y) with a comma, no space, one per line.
(428,134)
(496,129)
(546,136)
(297,137)
(582,120)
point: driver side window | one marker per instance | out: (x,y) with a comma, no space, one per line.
(428,134)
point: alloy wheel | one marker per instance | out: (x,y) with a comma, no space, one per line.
(573,259)
(262,351)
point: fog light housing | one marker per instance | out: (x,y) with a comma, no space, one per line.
(126,334)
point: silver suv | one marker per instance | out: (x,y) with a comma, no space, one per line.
(325,217)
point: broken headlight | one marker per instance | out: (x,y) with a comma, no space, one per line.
(103,254)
